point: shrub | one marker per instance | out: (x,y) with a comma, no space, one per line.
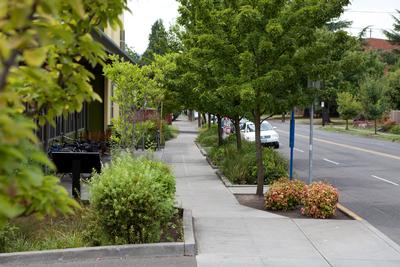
(169,131)
(319,200)
(284,194)
(217,154)
(131,199)
(387,126)
(208,137)
(7,235)
(395,129)
(275,165)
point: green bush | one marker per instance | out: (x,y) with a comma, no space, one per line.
(284,194)
(395,129)
(240,167)
(131,200)
(319,200)
(237,166)
(275,165)
(169,131)
(7,236)
(208,137)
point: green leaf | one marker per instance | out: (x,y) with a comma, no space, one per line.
(8,209)
(77,6)
(35,57)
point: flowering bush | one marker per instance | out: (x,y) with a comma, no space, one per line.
(284,194)
(319,200)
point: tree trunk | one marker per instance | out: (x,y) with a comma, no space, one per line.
(204,120)
(209,121)
(199,119)
(375,127)
(347,124)
(237,131)
(259,155)
(190,115)
(325,115)
(219,118)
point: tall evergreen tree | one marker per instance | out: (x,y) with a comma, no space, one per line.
(394,35)
(158,43)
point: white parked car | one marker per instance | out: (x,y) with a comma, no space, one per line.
(269,137)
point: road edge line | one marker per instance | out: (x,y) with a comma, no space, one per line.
(349,212)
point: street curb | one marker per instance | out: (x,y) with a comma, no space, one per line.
(369,226)
(381,235)
(204,153)
(211,163)
(349,212)
(188,233)
(186,248)
(224,180)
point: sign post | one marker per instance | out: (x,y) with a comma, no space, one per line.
(291,143)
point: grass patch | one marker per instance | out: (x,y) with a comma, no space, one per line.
(368,132)
(31,234)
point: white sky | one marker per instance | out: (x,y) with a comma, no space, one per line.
(376,13)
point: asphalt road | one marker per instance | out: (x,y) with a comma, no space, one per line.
(366,171)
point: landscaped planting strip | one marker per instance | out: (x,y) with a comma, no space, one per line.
(186,248)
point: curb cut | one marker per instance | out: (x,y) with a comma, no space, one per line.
(348,212)
(186,248)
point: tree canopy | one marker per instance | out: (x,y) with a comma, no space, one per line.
(44,48)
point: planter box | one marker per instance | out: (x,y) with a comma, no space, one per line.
(186,248)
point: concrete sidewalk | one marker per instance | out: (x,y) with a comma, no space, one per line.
(229,234)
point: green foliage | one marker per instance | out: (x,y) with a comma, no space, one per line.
(319,200)
(372,96)
(132,199)
(393,92)
(348,106)
(160,43)
(395,129)
(7,236)
(208,137)
(30,233)
(394,35)
(240,166)
(284,194)
(169,131)
(275,165)
(44,46)
(131,92)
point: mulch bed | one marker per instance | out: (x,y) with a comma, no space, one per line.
(257,202)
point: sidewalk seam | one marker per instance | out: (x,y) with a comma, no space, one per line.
(312,243)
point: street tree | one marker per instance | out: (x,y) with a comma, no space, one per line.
(44,48)
(393,88)
(158,43)
(348,107)
(373,100)
(272,33)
